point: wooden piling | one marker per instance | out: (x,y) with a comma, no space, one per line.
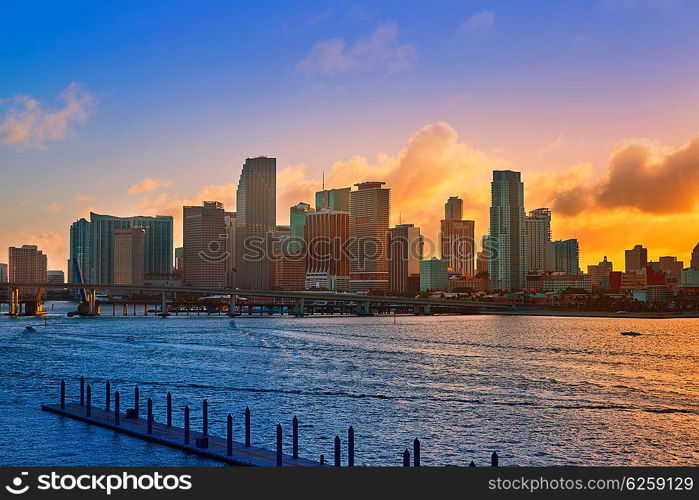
(63,394)
(494,460)
(295,438)
(107,396)
(150,416)
(205,418)
(322,459)
(416,452)
(89,400)
(169,409)
(279,445)
(229,435)
(116,408)
(136,401)
(350,447)
(472,464)
(82,390)
(186,424)
(406,458)
(247,426)
(338,457)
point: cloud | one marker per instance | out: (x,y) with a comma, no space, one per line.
(54,208)
(554,144)
(380,50)
(25,122)
(83,198)
(641,175)
(149,185)
(479,24)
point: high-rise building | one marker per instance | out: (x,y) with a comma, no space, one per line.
(290,271)
(326,235)
(229,220)
(457,243)
(27,264)
(55,277)
(333,199)
(483,258)
(670,265)
(453,208)
(179,260)
(507,266)
(370,213)
(256,224)
(599,274)
(81,250)
(129,256)
(538,231)
(297,219)
(563,255)
(204,241)
(636,259)
(694,263)
(3,273)
(158,251)
(405,251)
(434,274)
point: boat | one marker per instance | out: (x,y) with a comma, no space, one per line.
(29,329)
(631,333)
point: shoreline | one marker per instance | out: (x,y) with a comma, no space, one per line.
(597,314)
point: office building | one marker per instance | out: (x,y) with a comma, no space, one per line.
(297,219)
(405,250)
(694,263)
(229,219)
(290,271)
(434,275)
(27,264)
(81,251)
(538,232)
(636,259)
(204,240)
(457,239)
(507,266)
(333,199)
(563,256)
(129,256)
(370,212)
(453,208)
(256,224)
(599,274)
(55,277)
(326,234)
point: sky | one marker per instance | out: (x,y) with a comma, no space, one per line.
(136,108)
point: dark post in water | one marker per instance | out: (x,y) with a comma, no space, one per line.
(205,418)
(295,438)
(169,409)
(416,452)
(338,458)
(247,426)
(406,458)
(186,424)
(279,445)
(63,394)
(107,396)
(89,400)
(229,436)
(150,416)
(494,459)
(116,408)
(350,447)
(82,391)
(135,401)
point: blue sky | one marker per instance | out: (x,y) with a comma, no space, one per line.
(184,91)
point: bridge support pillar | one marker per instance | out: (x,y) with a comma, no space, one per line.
(163,305)
(15,306)
(363,309)
(299,309)
(232,306)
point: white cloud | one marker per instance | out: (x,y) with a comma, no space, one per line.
(25,122)
(54,208)
(149,185)
(479,24)
(380,50)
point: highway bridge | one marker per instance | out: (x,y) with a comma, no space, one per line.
(297,300)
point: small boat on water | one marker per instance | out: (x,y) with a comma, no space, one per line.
(29,329)
(631,333)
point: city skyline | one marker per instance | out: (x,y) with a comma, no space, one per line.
(450,96)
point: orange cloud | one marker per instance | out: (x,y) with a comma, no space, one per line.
(148,185)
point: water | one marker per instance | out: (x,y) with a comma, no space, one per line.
(540,391)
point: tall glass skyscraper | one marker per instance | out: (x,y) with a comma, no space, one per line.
(333,199)
(297,219)
(256,223)
(538,230)
(507,240)
(80,249)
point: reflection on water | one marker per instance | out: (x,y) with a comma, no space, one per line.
(540,391)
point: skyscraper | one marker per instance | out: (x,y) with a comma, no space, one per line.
(204,241)
(158,250)
(538,232)
(453,208)
(507,239)
(563,255)
(129,256)
(326,234)
(636,259)
(297,219)
(333,199)
(599,274)
(694,263)
(457,238)
(229,220)
(27,264)
(80,249)
(370,212)
(434,275)
(405,250)
(256,223)
(3,273)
